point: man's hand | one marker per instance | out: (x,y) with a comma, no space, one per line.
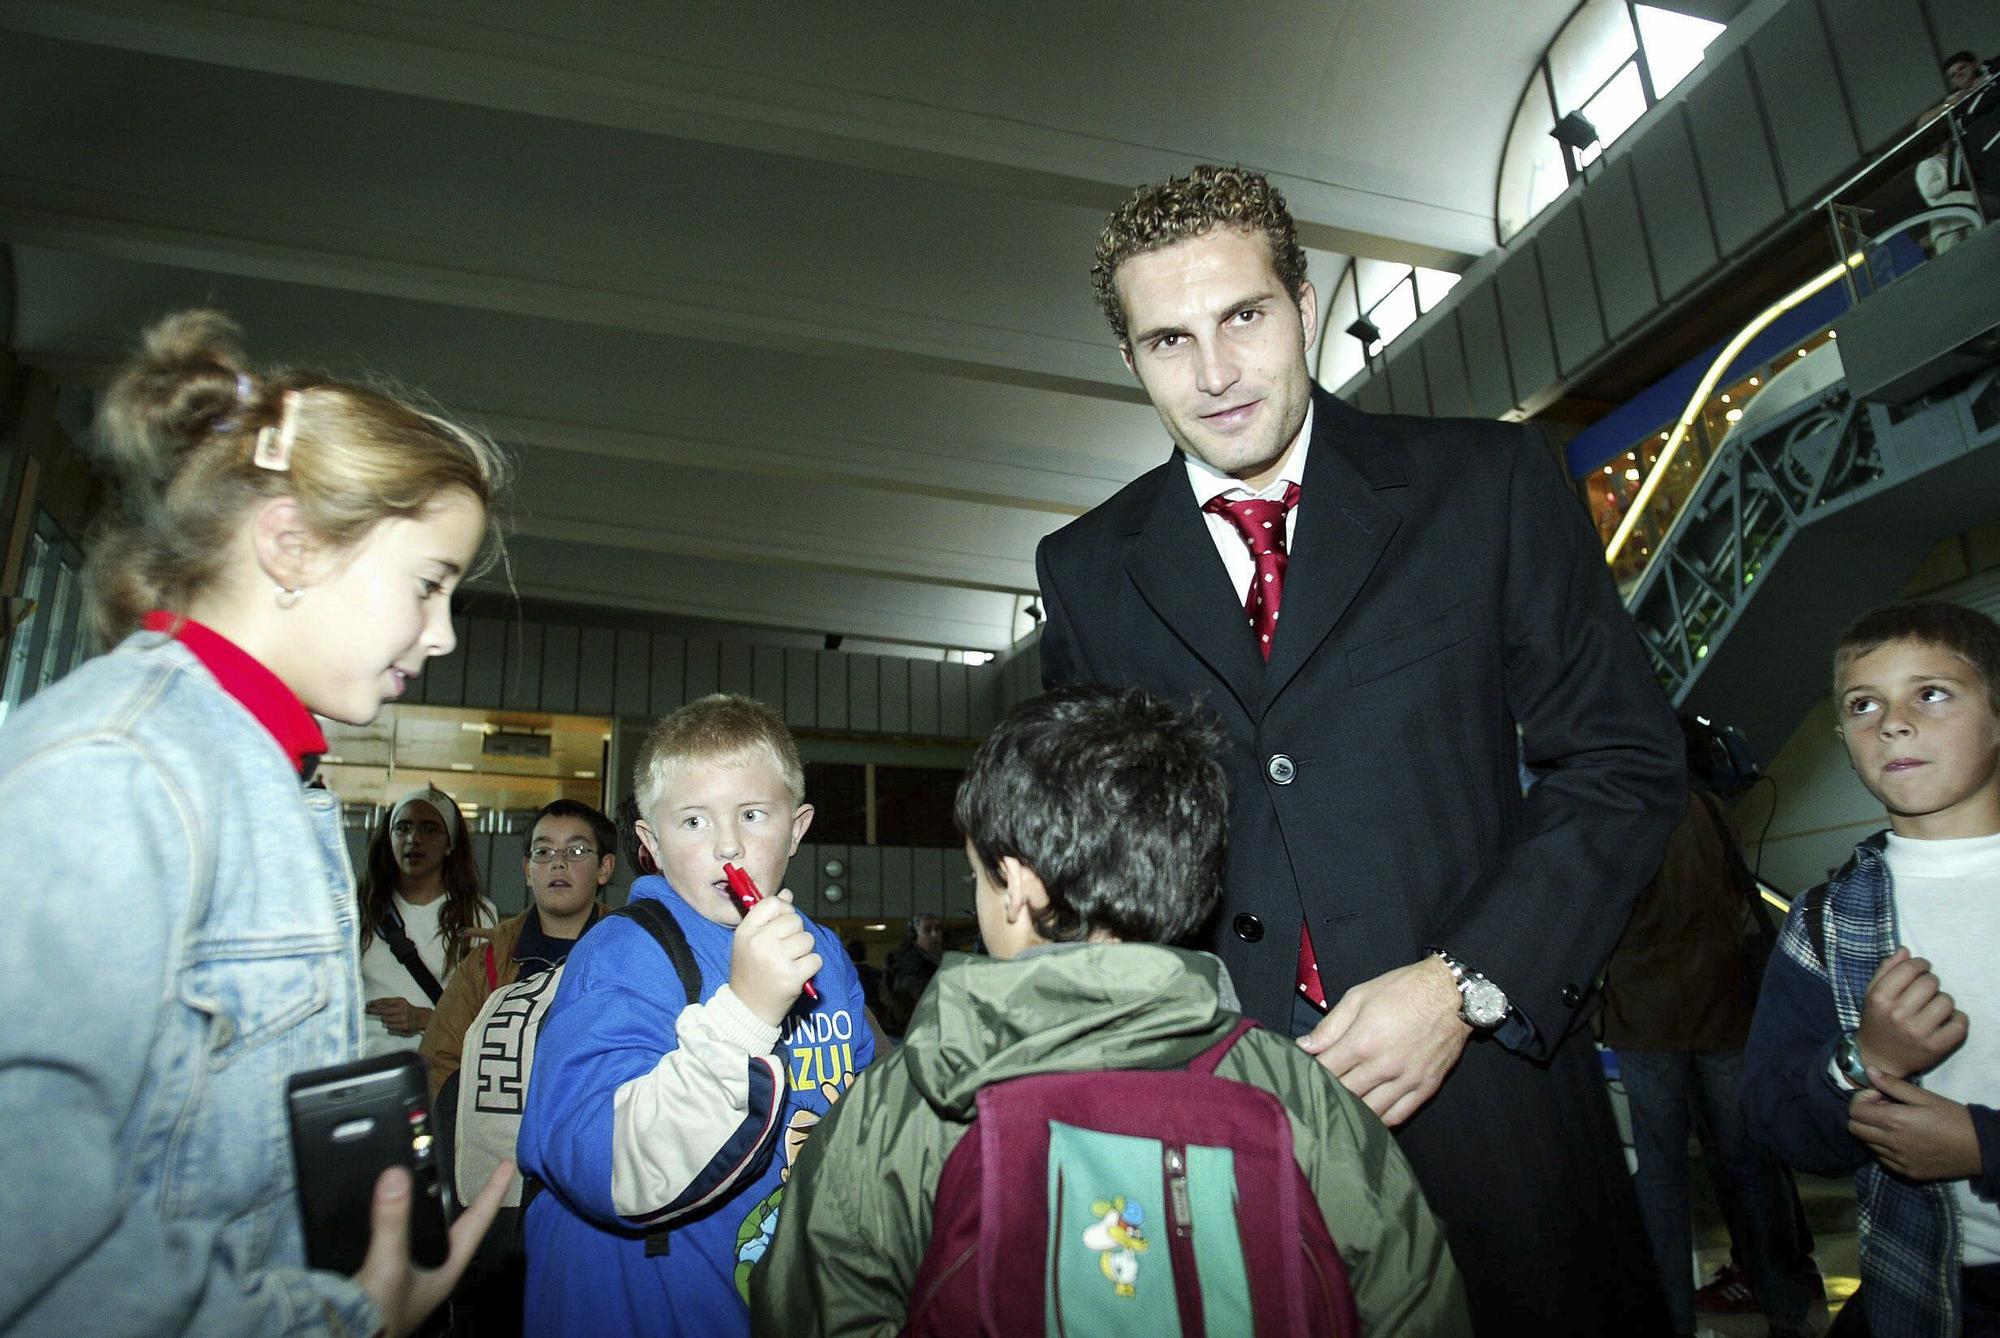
(1917,1134)
(1908,1023)
(1392,1040)
(406,1294)
(772,959)
(400,1016)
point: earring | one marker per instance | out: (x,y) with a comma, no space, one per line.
(289,598)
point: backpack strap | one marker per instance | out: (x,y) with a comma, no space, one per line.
(1209,1059)
(659,922)
(398,938)
(492,971)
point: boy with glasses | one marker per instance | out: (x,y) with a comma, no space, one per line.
(571,853)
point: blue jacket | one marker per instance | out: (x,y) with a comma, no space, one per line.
(182,941)
(649,1110)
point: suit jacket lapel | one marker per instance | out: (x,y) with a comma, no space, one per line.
(1342,531)
(1173,562)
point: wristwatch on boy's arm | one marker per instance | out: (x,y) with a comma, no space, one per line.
(1847,1069)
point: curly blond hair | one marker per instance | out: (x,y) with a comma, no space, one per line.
(1208,197)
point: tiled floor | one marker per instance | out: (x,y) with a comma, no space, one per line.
(1829,1208)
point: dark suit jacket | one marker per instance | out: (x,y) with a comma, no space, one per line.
(1444,588)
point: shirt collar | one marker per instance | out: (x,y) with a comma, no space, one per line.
(262,693)
(1208,481)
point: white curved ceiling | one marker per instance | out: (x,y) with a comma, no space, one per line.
(788,322)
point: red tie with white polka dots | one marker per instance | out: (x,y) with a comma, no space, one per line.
(1262,525)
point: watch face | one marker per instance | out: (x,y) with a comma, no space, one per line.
(1485,1003)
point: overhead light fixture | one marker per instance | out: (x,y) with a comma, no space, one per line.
(463,766)
(1367,332)
(832,641)
(1574,132)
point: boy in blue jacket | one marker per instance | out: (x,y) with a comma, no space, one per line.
(663,1127)
(1858,1059)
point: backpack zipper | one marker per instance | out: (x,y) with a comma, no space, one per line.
(1180,1240)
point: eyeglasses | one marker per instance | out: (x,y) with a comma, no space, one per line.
(575,854)
(407,828)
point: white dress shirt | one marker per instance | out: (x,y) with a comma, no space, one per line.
(1208,481)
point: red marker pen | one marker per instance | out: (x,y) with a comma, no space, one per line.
(745,891)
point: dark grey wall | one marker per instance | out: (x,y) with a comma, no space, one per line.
(1793,98)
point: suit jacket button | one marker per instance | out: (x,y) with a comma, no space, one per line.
(1280,769)
(1571,996)
(1249,928)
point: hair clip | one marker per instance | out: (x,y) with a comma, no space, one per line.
(246,389)
(274,444)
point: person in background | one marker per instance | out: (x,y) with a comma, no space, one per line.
(1677,1011)
(420,909)
(568,856)
(284,545)
(914,962)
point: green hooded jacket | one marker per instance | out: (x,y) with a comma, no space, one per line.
(856,1216)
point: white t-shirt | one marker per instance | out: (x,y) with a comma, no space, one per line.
(382,976)
(1948,908)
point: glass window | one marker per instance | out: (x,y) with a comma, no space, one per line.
(1339,352)
(1397,311)
(1674,44)
(1613,110)
(1588,51)
(41,553)
(838,792)
(1432,285)
(1531,172)
(913,806)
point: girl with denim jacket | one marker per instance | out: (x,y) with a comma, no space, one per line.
(184,940)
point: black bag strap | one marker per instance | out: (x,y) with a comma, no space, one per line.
(660,925)
(404,951)
(659,922)
(1739,869)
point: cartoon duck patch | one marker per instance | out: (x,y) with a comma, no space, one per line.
(1119,1238)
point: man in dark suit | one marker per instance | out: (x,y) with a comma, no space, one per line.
(1446,612)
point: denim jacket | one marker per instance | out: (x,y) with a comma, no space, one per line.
(182,940)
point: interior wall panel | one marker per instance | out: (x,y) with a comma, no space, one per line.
(1524,315)
(1444,368)
(1964,25)
(801,689)
(954,689)
(1736,168)
(1618,252)
(447,672)
(1888,64)
(1569,288)
(898,883)
(738,673)
(704,669)
(767,676)
(1680,234)
(984,698)
(597,662)
(669,675)
(521,673)
(833,691)
(631,684)
(1803,99)
(1489,378)
(861,890)
(559,650)
(485,655)
(1373,397)
(1409,391)
(894,700)
(864,693)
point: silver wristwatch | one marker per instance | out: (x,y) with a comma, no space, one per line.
(1847,1058)
(1482,1005)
